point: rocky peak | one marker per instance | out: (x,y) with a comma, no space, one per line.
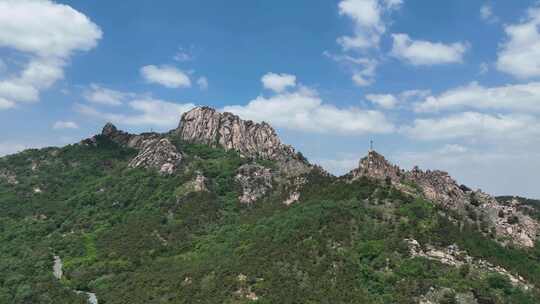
(508,222)
(155,150)
(120,137)
(109,129)
(374,165)
(205,125)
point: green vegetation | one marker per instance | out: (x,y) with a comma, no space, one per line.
(133,236)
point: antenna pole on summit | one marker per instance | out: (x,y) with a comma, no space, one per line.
(371,145)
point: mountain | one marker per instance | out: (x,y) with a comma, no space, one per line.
(219,210)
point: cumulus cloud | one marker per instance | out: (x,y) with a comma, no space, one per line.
(166,76)
(100,95)
(369,26)
(278,82)
(519,97)
(519,55)
(391,101)
(59,125)
(386,101)
(363,68)
(145,112)
(475,126)
(6,104)
(48,34)
(421,52)
(367,18)
(304,110)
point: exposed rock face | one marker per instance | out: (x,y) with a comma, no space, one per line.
(255,181)
(196,185)
(438,186)
(205,125)
(294,190)
(374,165)
(155,151)
(9,177)
(453,256)
(158,154)
(509,224)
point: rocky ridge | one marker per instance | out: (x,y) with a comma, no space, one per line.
(155,150)
(204,125)
(452,255)
(503,219)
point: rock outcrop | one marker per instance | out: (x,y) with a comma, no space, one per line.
(155,151)
(453,256)
(505,220)
(255,181)
(158,154)
(9,177)
(374,165)
(205,125)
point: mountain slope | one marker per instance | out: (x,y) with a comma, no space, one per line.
(163,218)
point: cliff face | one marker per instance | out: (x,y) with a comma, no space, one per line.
(205,125)
(503,219)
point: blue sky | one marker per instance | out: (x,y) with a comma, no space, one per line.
(448,85)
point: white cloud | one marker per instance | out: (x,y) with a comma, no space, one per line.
(486,14)
(386,101)
(391,101)
(202,82)
(520,97)
(166,76)
(363,68)
(146,111)
(421,52)
(48,34)
(364,72)
(6,104)
(476,127)
(369,26)
(100,95)
(366,14)
(303,110)
(519,55)
(278,82)
(65,125)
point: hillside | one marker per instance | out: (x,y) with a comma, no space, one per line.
(220,211)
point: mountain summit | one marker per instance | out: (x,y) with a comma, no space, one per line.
(507,221)
(205,125)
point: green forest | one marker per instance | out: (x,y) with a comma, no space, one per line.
(135,236)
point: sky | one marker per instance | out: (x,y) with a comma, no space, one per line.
(449,85)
